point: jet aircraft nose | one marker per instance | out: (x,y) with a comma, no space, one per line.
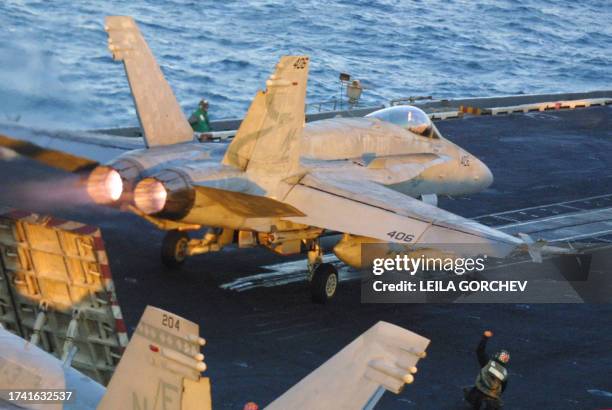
(483,176)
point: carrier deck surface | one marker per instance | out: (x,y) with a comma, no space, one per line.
(262,341)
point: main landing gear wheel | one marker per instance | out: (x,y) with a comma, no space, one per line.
(174,248)
(324,284)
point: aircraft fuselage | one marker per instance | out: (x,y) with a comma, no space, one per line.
(363,148)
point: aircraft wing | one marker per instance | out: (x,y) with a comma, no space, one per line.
(368,209)
(382,358)
(24,366)
(70,151)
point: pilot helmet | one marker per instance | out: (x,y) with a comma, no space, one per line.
(407,116)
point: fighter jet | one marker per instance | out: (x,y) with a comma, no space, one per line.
(166,348)
(279,183)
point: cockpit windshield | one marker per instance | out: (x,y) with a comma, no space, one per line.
(407,116)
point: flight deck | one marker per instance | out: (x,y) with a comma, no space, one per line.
(553,177)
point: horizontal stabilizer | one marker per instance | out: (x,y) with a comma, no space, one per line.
(160,115)
(246,205)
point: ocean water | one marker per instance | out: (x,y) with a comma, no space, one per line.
(55,69)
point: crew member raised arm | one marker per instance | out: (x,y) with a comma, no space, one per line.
(491,380)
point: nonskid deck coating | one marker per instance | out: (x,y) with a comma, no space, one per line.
(262,342)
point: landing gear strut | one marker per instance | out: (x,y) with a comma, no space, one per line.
(177,245)
(323,277)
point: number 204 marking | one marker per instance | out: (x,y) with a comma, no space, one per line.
(170,322)
(401,236)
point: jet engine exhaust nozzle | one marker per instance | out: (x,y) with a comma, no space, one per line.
(105,185)
(150,196)
(167,194)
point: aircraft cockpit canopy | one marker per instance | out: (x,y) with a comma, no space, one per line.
(406,116)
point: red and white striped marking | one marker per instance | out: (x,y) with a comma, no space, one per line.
(81,229)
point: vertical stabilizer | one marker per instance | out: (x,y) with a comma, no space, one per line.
(160,115)
(161,367)
(269,136)
(382,358)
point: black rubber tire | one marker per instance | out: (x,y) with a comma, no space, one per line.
(324,284)
(173,248)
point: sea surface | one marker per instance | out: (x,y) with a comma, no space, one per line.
(55,69)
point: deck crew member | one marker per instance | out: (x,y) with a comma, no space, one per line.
(199,119)
(492,378)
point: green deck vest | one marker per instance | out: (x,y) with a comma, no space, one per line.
(203,125)
(490,378)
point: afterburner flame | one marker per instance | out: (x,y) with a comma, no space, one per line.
(104,185)
(114,185)
(150,196)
